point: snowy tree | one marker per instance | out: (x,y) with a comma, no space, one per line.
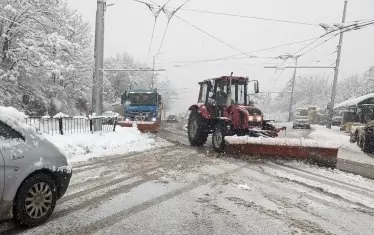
(44,50)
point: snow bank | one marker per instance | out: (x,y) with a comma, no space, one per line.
(333,135)
(298,142)
(83,146)
(348,151)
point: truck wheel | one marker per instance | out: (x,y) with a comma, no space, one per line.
(35,200)
(197,129)
(218,138)
(366,148)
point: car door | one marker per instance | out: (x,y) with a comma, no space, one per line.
(12,148)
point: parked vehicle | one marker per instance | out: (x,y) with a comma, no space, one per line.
(34,174)
(365,139)
(172,119)
(301,118)
(337,121)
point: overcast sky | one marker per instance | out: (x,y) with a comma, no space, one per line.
(128,28)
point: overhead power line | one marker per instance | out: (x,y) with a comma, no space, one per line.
(231,57)
(250,17)
(169,15)
(215,38)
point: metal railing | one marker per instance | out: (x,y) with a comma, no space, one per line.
(66,125)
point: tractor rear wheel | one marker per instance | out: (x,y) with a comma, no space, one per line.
(218,137)
(197,129)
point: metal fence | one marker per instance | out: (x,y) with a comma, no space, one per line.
(66,125)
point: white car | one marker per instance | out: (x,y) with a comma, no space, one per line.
(34,174)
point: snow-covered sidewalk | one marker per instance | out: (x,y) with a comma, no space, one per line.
(348,151)
(83,146)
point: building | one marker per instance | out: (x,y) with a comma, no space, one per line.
(359,109)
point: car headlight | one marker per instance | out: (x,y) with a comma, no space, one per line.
(127,119)
(154,119)
(259,118)
(251,118)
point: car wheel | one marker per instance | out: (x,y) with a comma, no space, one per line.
(35,200)
(218,138)
(197,129)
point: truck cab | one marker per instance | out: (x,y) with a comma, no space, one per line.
(141,106)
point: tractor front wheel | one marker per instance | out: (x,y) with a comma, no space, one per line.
(218,138)
(197,129)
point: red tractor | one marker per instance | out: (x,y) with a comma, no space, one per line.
(224,109)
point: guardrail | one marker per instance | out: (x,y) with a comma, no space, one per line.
(65,125)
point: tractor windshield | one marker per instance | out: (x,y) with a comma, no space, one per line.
(141,99)
(238,94)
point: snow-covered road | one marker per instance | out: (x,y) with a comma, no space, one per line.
(182,190)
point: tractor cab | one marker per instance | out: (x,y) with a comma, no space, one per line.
(221,95)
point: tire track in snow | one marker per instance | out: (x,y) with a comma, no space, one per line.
(117,217)
(328,178)
(320,179)
(366,209)
(356,206)
(105,179)
(304,225)
(115,159)
(120,179)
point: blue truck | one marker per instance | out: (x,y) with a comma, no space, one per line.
(143,107)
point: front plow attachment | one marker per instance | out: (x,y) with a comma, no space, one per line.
(322,153)
(142,126)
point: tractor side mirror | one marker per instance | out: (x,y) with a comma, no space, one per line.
(256,87)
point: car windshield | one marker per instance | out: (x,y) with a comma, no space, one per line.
(141,99)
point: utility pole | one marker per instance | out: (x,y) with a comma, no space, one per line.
(292,91)
(336,74)
(97,89)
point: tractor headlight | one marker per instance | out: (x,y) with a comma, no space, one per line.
(259,118)
(154,119)
(251,118)
(127,119)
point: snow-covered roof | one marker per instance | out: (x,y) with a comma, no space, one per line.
(354,101)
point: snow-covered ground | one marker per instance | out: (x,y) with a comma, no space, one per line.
(348,151)
(83,146)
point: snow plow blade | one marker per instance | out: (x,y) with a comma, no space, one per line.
(151,127)
(321,153)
